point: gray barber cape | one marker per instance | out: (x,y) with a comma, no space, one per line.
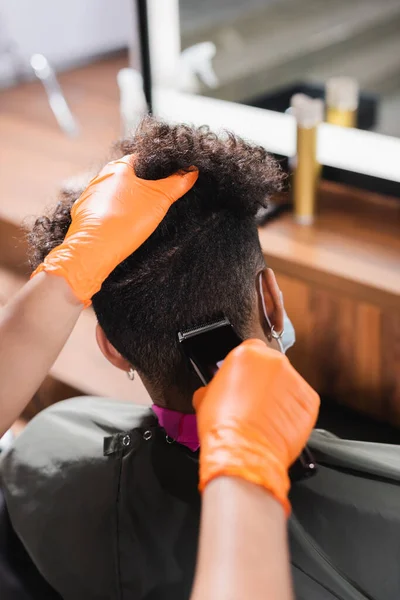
(106,508)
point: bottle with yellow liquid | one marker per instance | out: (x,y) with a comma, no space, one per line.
(342,98)
(308,114)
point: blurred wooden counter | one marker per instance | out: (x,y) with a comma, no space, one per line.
(341,283)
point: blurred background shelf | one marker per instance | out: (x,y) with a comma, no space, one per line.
(263,45)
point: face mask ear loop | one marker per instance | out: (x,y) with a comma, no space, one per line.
(276,337)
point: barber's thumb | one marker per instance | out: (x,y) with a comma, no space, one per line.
(198,397)
(175,186)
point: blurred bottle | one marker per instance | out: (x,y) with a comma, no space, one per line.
(308,114)
(342,98)
(58,104)
(196,66)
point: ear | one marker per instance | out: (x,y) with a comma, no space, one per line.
(269,296)
(111,354)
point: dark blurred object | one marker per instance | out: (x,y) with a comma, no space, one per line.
(366,119)
(19,578)
(265,215)
(143,34)
(364,182)
(349,424)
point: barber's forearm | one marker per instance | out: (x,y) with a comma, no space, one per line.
(34,327)
(243,550)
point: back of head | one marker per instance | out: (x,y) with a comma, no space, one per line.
(200,263)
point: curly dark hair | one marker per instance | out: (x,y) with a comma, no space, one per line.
(201,261)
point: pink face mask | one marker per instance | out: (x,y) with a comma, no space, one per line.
(180,427)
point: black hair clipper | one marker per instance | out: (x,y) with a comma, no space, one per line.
(206,347)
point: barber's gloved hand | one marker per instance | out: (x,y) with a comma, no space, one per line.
(254,419)
(115,214)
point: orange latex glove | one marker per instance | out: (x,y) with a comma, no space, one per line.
(254,419)
(115,214)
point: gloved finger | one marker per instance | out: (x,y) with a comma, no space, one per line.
(251,348)
(198,397)
(175,186)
